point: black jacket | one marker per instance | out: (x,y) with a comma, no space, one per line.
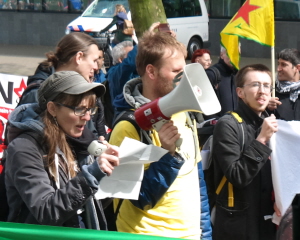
(250,174)
(40,75)
(288,110)
(38,199)
(225,88)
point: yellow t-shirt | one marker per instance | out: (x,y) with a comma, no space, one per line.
(177,213)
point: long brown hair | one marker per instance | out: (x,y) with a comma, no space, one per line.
(67,47)
(54,136)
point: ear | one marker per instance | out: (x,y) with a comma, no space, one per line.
(240,92)
(298,67)
(51,108)
(151,71)
(79,57)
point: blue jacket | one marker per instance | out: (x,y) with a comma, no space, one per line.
(118,75)
(205,223)
(157,178)
(100,77)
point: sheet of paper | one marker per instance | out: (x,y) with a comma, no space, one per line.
(125,181)
(285,164)
(204,157)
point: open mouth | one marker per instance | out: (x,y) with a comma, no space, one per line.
(261,101)
(80,127)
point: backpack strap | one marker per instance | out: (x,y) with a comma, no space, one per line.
(128,115)
(240,123)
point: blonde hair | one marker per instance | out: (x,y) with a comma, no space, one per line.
(120,8)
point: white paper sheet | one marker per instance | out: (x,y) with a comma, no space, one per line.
(285,162)
(125,181)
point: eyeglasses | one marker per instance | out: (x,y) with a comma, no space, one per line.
(205,60)
(257,85)
(80,111)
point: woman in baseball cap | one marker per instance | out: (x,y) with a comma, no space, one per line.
(50,176)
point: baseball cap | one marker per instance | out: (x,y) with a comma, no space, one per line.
(69,82)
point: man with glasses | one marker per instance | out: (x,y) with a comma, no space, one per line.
(286,104)
(245,164)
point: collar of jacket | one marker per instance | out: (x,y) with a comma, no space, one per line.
(249,116)
(133,93)
(221,65)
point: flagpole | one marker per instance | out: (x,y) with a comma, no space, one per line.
(273,69)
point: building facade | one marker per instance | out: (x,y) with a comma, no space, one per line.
(43,22)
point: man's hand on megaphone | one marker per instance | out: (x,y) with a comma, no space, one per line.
(168,135)
(109,158)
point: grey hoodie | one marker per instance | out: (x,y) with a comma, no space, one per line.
(25,118)
(132,93)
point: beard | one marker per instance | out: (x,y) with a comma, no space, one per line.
(164,86)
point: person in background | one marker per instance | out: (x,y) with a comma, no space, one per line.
(99,118)
(118,20)
(286,104)
(123,68)
(74,52)
(221,76)
(202,56)
(99,76)
(50,176)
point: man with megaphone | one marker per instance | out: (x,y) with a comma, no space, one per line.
(169,200)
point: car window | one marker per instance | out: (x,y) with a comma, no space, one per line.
(287,10)
(104,8)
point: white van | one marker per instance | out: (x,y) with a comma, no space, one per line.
(188,18)
(287,9)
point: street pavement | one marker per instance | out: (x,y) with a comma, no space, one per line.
(22,60)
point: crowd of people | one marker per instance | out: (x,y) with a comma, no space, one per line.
(51,178)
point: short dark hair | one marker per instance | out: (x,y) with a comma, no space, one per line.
(240,76)
(291,55)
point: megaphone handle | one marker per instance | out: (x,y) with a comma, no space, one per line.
(178,142)
(157,126)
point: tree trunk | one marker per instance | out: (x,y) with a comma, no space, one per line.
(146,12)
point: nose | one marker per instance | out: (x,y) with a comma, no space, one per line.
(279,68)
(95,66)
(87,116)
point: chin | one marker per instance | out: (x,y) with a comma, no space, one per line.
(76,135)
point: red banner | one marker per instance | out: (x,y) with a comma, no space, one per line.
(11,89)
